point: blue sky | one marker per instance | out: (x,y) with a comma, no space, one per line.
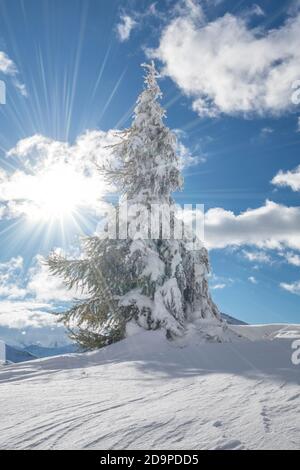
(72,74)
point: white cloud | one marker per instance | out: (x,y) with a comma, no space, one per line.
(257,256)
(272,226)
(18,314)
(124,28)
(252,279)
(186,158)
(256,10)
(138,18)
(27,300)
(37,284)
(8,67)
(43,286)
(218,286)
(220,282)
(228,66)
(293,288)
(52,176)
(26,322)
(292,258)
(266,131)
(11,279)
(289,178)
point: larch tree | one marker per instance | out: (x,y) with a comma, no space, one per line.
(151,281)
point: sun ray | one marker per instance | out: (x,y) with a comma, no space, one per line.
(72,88)
(115,89)
(125,117)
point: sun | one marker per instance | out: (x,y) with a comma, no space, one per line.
(53,202)
(58,192)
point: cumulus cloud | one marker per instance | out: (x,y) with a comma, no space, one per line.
(11,279)
(293,288)
(186,157)
(228,66)
(50,172)
(292,258)
(272,226)
(257,256)
(252,279)
(28,301)
(8,67)
(137,18)
(25,314)
(124,28)
(289,179)
(52,175)
(45,287)
(36,284)
(25,322)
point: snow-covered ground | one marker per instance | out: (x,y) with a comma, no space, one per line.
(145,392)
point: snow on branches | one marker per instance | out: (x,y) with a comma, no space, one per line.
(155,282)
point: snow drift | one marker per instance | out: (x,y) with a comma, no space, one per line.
(149,393)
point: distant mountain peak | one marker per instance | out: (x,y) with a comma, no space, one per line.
(231,320)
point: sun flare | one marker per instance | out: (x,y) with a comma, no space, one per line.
(57,193)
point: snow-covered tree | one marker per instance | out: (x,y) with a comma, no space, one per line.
(155,282)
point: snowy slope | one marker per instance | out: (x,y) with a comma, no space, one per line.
(145,392)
